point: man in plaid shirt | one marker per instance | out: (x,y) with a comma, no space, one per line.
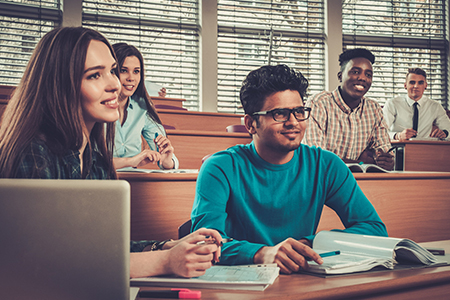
(344,121)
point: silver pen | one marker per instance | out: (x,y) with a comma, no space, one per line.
(213,241)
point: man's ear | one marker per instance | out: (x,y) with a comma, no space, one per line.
(339,74)
(405,86)
(250,124)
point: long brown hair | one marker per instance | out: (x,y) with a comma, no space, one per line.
(123,50)
(47,102)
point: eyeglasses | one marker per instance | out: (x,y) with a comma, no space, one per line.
(301,113)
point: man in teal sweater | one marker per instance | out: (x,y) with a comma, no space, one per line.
(269,195)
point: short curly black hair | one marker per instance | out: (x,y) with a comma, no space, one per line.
(347,55)
(262,82)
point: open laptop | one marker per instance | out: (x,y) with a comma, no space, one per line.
(64,239)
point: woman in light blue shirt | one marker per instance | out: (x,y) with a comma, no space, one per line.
(138,117)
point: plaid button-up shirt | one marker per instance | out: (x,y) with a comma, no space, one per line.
(334,126)
(39,162)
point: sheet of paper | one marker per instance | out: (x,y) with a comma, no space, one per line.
(133,292)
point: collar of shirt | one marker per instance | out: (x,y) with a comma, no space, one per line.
(130,105)
(342,105)
(421,101)
(72,160)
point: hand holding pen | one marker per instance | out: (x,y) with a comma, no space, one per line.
(192,255)
(211,240)
(405,134)
(165,149)
(384,159)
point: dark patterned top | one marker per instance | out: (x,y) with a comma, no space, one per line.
(38,161)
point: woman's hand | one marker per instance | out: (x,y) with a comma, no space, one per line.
(188,259)
(162,92)
(166,151)
(143,158)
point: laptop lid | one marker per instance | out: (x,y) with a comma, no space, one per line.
(64,239)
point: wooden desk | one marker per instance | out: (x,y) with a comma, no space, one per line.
(425,155)
(192,145)
(194,120)
(177,102)
(426,283)
(160,203)
(412,205)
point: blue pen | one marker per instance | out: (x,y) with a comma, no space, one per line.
(331,253)
(157,148)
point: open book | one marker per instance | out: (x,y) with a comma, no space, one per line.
(364,252)
(366,168)
(248,277)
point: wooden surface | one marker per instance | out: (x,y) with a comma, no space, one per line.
(177,102)
(162,202)
(5,92)
(192,145)
(194,120)
(425,283)
(426,155)
(412,205)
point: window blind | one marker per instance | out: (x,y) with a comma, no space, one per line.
(22,25)
(401,34)
(166,33)
(297,29)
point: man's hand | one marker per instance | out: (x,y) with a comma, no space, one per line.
(290,255)
(438,133)
(406,134)
(367,157)
(384,160)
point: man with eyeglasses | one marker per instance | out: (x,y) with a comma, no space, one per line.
(268,195)
(344,121)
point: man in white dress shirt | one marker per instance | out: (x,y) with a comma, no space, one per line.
(431,118)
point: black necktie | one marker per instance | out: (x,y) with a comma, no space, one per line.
(415,116)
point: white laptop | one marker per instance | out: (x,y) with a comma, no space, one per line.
(64,239)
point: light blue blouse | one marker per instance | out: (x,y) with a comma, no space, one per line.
(128,142)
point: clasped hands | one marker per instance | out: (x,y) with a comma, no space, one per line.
(290,255)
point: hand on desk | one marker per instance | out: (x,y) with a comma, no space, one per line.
(143,158)
(290,255)
(188,259)
(406,134)
(436,132)
(182,257)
